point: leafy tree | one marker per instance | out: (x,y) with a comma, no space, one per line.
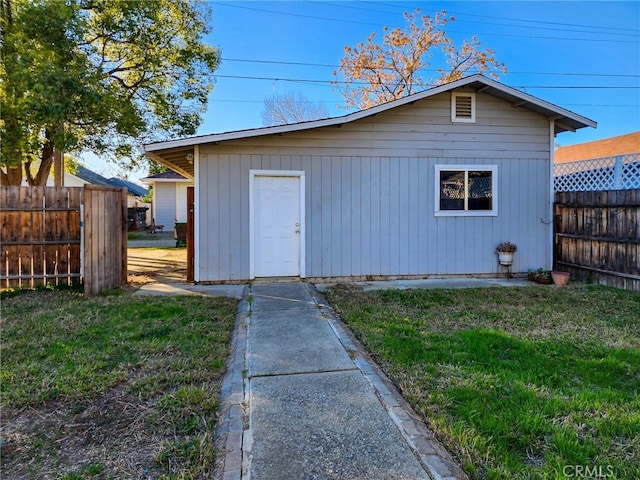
(288,108)
(378,73)
(155,167)
(98,75)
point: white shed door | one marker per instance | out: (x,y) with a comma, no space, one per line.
(276,226)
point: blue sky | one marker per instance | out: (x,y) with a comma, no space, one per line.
(583,56)
(551,50)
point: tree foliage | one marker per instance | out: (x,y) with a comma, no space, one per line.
(97,75)
(377,73)
(288,108)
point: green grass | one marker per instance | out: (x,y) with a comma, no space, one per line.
(517,382)
(115,386)
(166,234)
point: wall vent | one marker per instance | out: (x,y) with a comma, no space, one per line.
(463,107)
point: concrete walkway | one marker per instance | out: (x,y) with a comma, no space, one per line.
(301,401)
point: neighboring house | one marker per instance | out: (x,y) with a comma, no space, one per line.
(70,180)
(607,147)
(169,204)
(135,192)
(83,176)
(608,164)
(425,185)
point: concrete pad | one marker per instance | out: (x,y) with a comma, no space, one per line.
(291,290)
(293,342)
(324,426)
(188,289)
(281,296)
(433,283)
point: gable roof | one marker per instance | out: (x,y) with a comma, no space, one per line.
(607,147)
(91,177)
(168,176)
(132,188)
(96,179)
(179,153)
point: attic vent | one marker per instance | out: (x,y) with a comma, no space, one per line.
(463,107)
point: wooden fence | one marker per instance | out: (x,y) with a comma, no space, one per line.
(43,241)
(597,236)
(106,224)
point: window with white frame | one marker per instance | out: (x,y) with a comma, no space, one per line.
(466,190)
(463,107)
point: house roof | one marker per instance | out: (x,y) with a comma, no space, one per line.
(607,147)
(92,177)
(165,177)
(132,188)
(96,179)
(179,153)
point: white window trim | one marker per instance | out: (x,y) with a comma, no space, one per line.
(456,119)
(466,213)
(277,173)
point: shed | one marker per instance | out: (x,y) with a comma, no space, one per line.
(426,185)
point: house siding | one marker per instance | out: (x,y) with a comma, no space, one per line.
(370,193)
(164,204)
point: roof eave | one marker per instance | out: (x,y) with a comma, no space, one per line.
(572,121)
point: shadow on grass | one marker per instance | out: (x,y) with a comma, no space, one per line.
(550,402)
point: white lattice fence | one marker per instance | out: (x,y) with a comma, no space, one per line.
(612,173)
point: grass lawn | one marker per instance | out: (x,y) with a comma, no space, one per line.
(530,382)
(111,387)
(134,235)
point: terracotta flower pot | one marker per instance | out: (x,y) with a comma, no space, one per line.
(560,278)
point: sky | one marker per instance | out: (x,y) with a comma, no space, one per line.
(581,55)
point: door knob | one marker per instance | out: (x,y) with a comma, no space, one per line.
(297,231)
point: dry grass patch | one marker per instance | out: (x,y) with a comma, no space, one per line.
(111,387)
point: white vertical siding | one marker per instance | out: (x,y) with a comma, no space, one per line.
(181,201)
(164,204)
(369,193)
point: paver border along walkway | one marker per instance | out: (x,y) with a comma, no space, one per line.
(234,440)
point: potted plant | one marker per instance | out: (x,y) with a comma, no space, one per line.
(543,276)
(560,278)
(505,252)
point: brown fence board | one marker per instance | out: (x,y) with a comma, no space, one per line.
(597,236)
(105,238)
(41,236)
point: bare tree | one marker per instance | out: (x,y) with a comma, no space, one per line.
(376,74)
(287,108)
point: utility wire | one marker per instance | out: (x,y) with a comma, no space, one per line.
(493,17)
(333,101)
(616,31)
(308,64)
(320,81)
(244,7)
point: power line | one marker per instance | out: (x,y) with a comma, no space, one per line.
(333,101)
(308,64)
(320,81)
(616,31)
(493,17)
(314,17)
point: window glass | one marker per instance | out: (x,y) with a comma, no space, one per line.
(466,190)
(452,190)
(479,190)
